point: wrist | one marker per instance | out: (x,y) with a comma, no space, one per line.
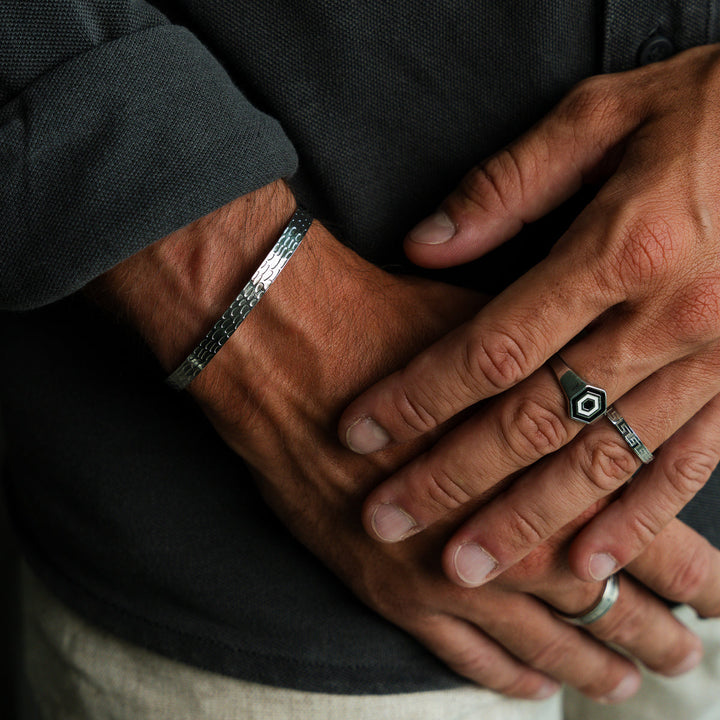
(284,365)
(174,290)
(329,326)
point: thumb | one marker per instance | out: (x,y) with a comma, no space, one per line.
(575,142)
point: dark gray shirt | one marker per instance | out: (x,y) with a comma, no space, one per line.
(119,124)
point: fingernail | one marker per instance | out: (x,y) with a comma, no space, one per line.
(366,436)
(601,566)
(626,688)
(435,230)
(391,523)
(547,690)
(473,564)
(691,661)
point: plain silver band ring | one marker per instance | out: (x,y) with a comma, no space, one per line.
(586,403)
(629,435)
(609,597)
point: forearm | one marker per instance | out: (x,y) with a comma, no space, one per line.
(174,290)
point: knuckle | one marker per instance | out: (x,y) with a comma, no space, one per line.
(446,490)
(624,625)
(645,525)
(549,655)
(533,430)
(495,359)
(526,528)
(490,185)
(606,463)
(413,411)
(592,100)
(689,472)
(472,661)
(648,246)
(695,316)
(687,577)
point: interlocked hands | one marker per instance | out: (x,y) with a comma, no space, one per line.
(630,293)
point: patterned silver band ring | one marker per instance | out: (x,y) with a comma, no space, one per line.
(586,403)
(609,597)
(241,306)
(629,435)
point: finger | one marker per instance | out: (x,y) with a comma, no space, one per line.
(515,431)
(527,179)
(545,642)
(682,566)
(513,335)
(534,318)
(469,652)
(641,625)
(555,492)
(655,496)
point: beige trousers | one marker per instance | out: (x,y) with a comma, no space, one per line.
(78,672)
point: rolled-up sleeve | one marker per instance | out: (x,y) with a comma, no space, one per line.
(116,128)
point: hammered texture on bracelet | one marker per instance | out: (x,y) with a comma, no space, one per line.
(241,306)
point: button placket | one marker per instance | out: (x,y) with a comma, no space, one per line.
(656,48)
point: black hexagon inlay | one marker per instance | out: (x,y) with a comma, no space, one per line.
(588,405)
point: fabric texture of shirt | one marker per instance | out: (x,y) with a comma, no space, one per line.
(121,121)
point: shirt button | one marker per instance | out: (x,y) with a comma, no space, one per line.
(655,48)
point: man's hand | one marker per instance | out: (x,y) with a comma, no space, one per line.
(630,294)
(330,325)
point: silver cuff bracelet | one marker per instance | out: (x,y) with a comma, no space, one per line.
(241,306)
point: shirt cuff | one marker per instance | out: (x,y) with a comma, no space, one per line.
(117,148)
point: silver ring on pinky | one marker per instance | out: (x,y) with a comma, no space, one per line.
(586,403)
(609,597)
(629,435)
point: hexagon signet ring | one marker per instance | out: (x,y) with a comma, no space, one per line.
(586,403)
